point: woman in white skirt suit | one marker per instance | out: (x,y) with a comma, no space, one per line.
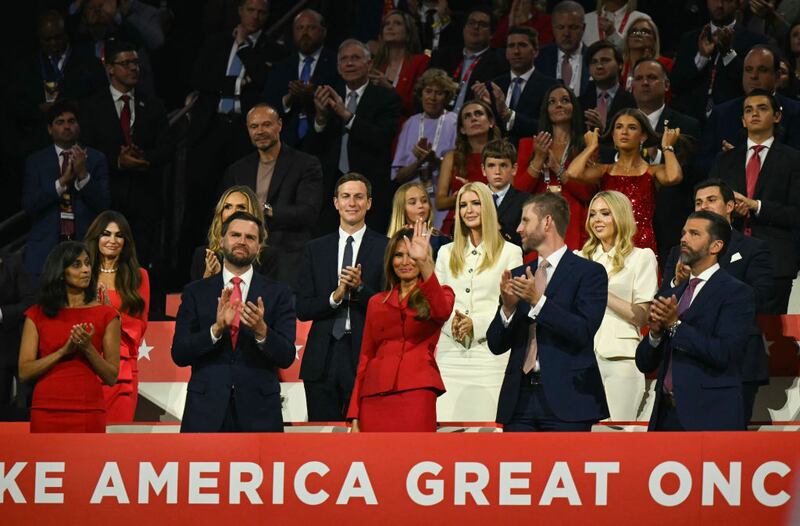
(472,265)
(632,283)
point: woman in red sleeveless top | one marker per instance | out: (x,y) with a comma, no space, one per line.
(475,128)
(70,345)
(126,286)
(631,174)
(542,160)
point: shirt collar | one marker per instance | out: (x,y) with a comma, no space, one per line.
(612,91)
(359,91)
(253,37)
(619,13)
(767,144)
(59,149)
(715,28)
(116,94)
(555,258)
(315,55)
(227,276)
(575,54)
(525,76)
(475,54)
(655,116)
(502,193)
(707,273)
(358,235)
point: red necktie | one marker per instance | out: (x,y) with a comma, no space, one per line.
(566,70)
(683,306)
(66,216)
(125,119)
(751,171)
(602,105)
(236,296)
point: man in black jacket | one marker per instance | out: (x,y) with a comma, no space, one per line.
(288,184)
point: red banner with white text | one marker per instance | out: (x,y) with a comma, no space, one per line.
(616,478)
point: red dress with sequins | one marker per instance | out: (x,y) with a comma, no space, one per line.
(641,190)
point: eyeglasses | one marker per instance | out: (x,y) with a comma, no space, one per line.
(479,24)
(642,32)
(127,64)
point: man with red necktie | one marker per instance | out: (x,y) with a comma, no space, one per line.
(235,330)
(698,336)
(130,128)
(767,191)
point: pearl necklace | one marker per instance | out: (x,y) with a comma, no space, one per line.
(108,270)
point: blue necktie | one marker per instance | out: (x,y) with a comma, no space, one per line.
(228,104)
(305,76)
(462,93)
(516,92)
(495,198)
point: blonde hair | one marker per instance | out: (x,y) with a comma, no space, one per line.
(626,52)
(490,231)
(398,219)
(215,230)
(624,229)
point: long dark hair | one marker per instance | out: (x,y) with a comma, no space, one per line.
(576,125)
(653,139)
(462,148)
(416,299)
(128,278)
(52,295)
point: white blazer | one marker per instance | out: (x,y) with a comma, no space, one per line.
(477,293)
(637,282)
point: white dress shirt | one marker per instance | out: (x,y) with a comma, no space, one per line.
(79,184)
(251,39)
(358,236)
(348,91)
(576,61)
(700,61)
(118,103)
(525,77)
(501,194)
(244,286)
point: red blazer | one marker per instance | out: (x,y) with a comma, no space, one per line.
(411,71)
(397,351)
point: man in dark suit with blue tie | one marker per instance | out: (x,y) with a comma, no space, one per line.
(311,66)
(65,187)
(340,272)
(550,311)
(698,335)
(235,330)
(747,259)
(517,95)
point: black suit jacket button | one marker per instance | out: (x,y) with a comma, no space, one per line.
(474,252)
(467,290)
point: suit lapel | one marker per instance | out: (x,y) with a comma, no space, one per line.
(280,173)
(708,292)
(563,269)
(333,259)
(112,120)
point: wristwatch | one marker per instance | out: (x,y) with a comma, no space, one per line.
(267,207)
(673,328)
(668,149)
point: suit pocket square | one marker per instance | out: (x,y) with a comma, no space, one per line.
(736,257)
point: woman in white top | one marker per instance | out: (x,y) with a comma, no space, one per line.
(632,283)
(471,265)
(610,21)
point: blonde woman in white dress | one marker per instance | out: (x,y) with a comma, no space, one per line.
(632,284)
(471,265)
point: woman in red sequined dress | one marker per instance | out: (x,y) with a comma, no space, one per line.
(476,127)
(631,174)
(542,159)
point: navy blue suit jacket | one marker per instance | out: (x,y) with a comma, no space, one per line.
(526,118)
(319,277)
(707,352)
(565,328)
(747,259)
(41,201)
(547,64)
(277,86)
(250,370)
(725,124)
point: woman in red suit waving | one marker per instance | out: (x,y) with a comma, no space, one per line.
(397,380)
(70,344)
(125,285)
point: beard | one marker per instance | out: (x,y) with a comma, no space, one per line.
(690,257)
(236,260)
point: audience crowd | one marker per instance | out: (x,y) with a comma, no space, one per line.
(541,213)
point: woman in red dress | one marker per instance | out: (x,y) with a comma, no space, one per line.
(398,62)
(631,174)
(397,380)
(475,128)
(125,285)
(70,345)
(542,160)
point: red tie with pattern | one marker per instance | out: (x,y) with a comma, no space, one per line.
(752,170)
(236,297)
(125,119)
